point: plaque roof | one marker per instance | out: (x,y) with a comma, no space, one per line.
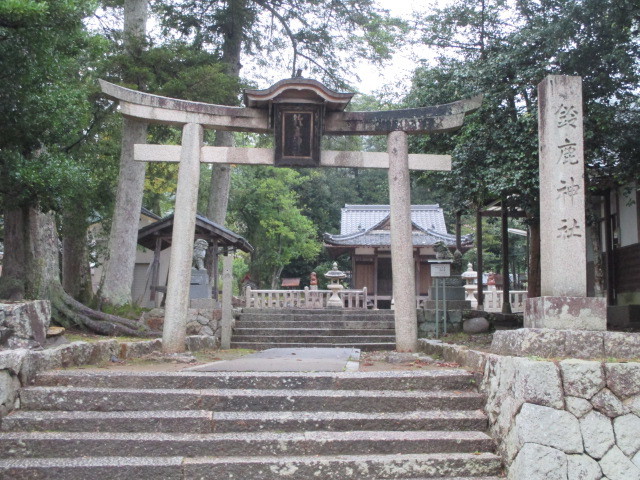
(297,90)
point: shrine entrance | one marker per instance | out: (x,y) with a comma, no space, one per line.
(298,112)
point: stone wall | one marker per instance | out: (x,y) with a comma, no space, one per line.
(559,420)
(19,366)
(200,321)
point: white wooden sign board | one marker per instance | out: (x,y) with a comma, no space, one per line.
(440,269)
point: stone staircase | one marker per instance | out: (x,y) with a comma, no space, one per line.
(249,426)
(259,329)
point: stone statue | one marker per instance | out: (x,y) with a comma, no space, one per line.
(442,251)
(199,252)
(314,279)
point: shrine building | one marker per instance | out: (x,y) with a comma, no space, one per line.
(365,236)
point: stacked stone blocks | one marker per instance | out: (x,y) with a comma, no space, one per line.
(569,419)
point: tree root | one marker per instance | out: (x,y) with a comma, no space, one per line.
(69,311)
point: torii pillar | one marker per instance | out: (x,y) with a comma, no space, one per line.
(298,111)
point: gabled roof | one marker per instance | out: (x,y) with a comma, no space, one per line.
(368,225)
(205,228)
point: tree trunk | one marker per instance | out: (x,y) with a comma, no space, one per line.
(76,274)
(221,174)
(41,275)
(119,266)
(13,266)
(534,286)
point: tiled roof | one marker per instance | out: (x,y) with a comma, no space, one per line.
(356,218)
(362,225)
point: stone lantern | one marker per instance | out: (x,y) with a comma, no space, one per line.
(334,276)
(469,276)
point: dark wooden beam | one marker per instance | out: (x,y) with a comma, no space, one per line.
(479,266)
(506,290)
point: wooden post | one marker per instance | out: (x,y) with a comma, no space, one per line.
(403,273)
(458,230)
(506,290)
(479,250)
(155,276)
(227,294)
(184,224)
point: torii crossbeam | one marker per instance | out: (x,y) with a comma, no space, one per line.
(299,111)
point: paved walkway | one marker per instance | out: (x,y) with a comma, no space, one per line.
(289,360)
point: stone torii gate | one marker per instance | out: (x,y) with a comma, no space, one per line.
(298,111)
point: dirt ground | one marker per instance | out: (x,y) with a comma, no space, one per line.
(370,361)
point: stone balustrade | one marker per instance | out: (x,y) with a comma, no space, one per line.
(274,299)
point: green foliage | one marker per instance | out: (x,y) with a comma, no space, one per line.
(46,57)
(503,50)
(319,36)
(265,210)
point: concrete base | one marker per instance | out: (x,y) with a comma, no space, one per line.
(566,313)
(554,343)
(451,305)
(451,293)
(199,284)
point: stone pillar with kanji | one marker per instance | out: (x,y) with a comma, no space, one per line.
(564,303)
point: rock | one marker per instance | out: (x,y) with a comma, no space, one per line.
(578,406)
(206,330)
(5,333)
(538,382)
(627,430)
(584,344)
(550,427)
(399,357)
(581,378)
(621,345)
(12,359)
(636,459)
(476,325)
(542,342)
(154,318)
(537,462)
(193,328)
(597,434)
(616,466)
(55,331)
(582,467)
(607,403)
(28,320)
(633,404)
(9,386)
(623,379)
(201,342)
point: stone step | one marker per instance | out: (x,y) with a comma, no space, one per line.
(318,312)
(458,466)
(241,330)
(227,422)
(347,421)
(311,340)
(324,324)
(316,318)
(182,421)
(441,379)
(265,345)
(120,399)
(76,444)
